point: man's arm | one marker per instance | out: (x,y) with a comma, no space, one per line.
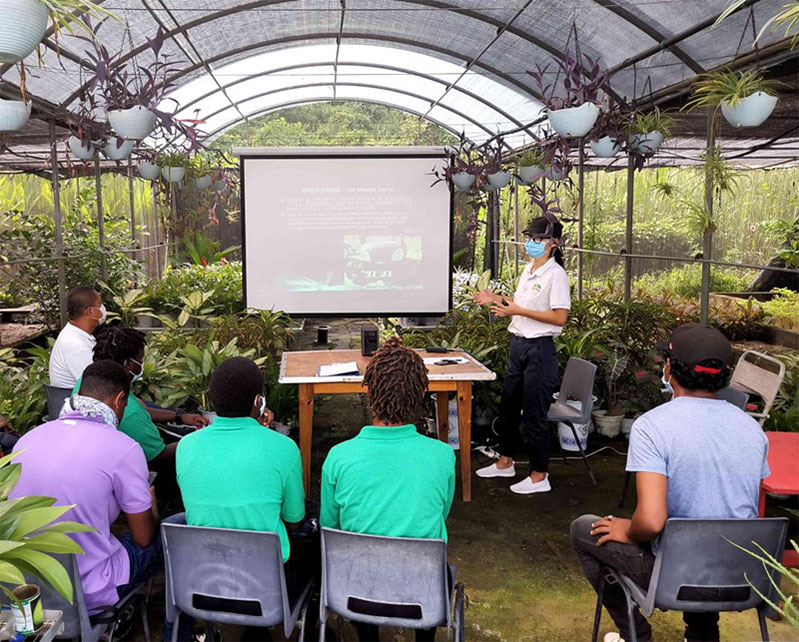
(144,526)
(292,511)
(649,517)
(330,512)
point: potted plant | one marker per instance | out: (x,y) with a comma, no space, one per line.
(746,98)
(531,165)
(614,365)
(200,170)
(647,130)
(87,132)
(14,114)
(608,133)
(173,165)
(117,149)
(496,174)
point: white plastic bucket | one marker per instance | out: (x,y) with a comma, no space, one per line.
(453,436)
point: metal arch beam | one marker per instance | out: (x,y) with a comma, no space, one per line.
(372,65)
(649,30)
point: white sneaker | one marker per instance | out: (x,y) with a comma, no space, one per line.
(613,637)
(495,471)
(527,486)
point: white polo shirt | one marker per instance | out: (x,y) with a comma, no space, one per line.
(546,288)
(72,352)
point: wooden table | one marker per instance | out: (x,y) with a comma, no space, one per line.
(300,368)
(783,461)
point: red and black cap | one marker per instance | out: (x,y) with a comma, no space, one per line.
(693,344)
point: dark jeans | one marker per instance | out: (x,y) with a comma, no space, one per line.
(144,562)
(530,380)
(635,561)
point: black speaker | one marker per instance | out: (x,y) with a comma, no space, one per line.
(370,340)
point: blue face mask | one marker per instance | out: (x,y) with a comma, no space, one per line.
(536,249)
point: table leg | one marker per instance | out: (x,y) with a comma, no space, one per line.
(306,431)
(761,503)
(465,436)
(442,407)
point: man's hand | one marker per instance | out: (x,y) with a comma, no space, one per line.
(612,529)
(267,418)
(509,310)
(198,421)
(484,297)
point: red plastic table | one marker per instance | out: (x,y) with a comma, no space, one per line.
(783,461)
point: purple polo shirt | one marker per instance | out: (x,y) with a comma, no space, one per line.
(84,461)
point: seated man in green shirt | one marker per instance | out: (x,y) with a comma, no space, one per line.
(390,480)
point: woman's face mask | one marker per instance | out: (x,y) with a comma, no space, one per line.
(138,375)
(667,387)
(536,248)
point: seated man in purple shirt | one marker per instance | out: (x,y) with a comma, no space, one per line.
(83,459)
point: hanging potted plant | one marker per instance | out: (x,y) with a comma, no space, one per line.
(495,172)
(87,133)
(608,133)
(173,165)
(200,170)
(118,149)
(746,98)
(531,166)
(647,130)
(147,167)
(464,169)
(14,114)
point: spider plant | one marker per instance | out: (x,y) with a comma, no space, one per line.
(651,121)
(730,87)
(787,18)
(66,13)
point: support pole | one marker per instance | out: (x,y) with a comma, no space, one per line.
(131,202)
(59,232)
(157,228)
(98,186)
(628,238)
(495,255)
(488,250)
(516,232)
(580,210)
(707,238)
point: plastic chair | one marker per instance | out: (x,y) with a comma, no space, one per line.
(229,576)
(389,581)
(734,396)
(754,379)
(577,385)
(696,560)
(78,624)
(55,400)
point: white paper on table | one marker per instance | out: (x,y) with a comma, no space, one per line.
(338,369)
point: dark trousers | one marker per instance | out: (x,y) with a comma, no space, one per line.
(530,380)
(635,561)
(144,562)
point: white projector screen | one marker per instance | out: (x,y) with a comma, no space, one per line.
(346,231)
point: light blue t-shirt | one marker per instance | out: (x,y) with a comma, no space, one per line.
(713,454)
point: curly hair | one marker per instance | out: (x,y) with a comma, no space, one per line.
(688,377)
(397,381)
(118,343)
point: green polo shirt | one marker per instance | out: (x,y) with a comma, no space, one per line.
(389,481)
(238,474)
(138,425)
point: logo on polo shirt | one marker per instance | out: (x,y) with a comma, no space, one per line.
(536,288)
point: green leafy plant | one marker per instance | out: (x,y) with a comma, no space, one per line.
(203,250)
(783,309)
(282,400)
(787,18)
(22,378)
(129,306)
(535,156)
(644,122)
(174,158)
(67,14)
(731,87)
(614,361)
(223,280)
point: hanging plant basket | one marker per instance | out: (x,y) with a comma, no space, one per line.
(646,144)
(463,181)
(13,115)
(204,182)
(557,173)
(531,173)
(82,151)
(605,147)
(217,185)
(750,111)
(21,29)
(118,152)
(499,179)
(149,171)
(173,174)
(573,122)
(136,123)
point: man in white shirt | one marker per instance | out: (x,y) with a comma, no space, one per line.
(74,347)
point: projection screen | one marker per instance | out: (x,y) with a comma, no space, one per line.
(346,231)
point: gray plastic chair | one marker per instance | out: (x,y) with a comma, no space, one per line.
(55,399)
(241,570)
(577,385)
(734,396)
(694,555)
(389,581)
(78,624)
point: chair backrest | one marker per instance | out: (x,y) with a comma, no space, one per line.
(698,569)
(224,575)
(55,399)
(387,581)
(734,396)
(750,376)
(578,384)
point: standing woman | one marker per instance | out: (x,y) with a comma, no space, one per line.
(538,312)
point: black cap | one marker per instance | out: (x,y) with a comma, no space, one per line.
(693,344)
(542,227)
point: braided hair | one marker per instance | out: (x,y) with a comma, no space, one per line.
(397,381)
(118,343)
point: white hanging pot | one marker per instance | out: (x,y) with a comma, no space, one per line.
(204,182)
(462,180)
(136,123)
(13,115)
(646,144)
(173,174)
(82,151)
(605,147)
(149,171)
(531,173)
(750,111)
(573,121)
(21,29)
(557,173)
(118,152)
(499,179)
(218,185)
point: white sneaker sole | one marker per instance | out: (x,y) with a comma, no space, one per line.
(499,472)
(531,491)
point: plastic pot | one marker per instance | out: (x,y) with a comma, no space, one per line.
(13,115)
(204,182)
(21,29)
(646,144)
(462,180)
(173,174)
(531,173)
(573,122)
(149,171)
(605,147)
(557,173)
(499,179)
(750,111)
(136,123)
(607,425)
(118,152)
(627,426)
(82,151)
(217,185)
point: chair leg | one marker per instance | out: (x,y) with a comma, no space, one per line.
(175,626)
(761,618)
(598,612)
(111,632)
(209,631)
(627,476)
(145,622)
(631,620)
(459,623)
(554,425)
(582,452)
